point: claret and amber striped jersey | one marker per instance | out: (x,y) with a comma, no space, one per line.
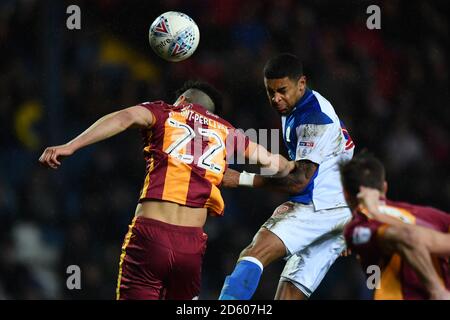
(185,150)
(398,280)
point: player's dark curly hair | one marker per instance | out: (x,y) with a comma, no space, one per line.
(363,170)
(283,65)
(206,88)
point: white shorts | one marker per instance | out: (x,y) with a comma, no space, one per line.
(313,241)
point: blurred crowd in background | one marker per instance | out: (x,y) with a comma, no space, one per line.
(389,86)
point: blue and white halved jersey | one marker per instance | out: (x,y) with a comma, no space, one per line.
(313,131)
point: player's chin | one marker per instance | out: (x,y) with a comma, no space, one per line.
(281,110)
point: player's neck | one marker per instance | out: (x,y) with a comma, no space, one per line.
(300,100)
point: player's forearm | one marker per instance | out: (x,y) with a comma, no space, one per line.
(441,244)
(271,164)
(290,184)
(296,181)
(437,243)
(411,246)
(278,167)
(104,128)
(293,183)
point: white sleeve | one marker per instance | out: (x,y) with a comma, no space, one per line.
(313,143)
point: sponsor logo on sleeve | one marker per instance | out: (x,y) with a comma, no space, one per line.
(308,144)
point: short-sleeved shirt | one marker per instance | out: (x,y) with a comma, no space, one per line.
(314,132)
(398,280)
(185,151)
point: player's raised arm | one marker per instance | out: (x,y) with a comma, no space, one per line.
(104,128)
(274,165)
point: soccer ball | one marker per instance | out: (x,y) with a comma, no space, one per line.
(174,36)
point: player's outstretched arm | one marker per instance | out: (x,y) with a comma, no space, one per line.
(270,163)
(104,128)
(293,183)
(436,242)
(300,173)
(411,243)
(274,165)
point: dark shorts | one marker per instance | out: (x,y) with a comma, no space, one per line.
(160,261)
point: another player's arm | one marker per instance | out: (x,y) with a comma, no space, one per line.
(412,243)
(275,165)
(300,174)
(308,157)
(104,128)
(436,242)
(293,183)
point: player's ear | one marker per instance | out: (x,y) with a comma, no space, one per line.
(181,99)
(301,83)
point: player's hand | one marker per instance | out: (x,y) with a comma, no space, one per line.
(279,166)
(50,155)
(230,178)
(285,166)
(369,198)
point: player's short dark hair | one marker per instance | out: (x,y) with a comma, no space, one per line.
(206,88)
(363,170)
(283,65)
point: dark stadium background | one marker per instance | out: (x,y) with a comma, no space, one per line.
(390,87)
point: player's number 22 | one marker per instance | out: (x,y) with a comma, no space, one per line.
(205,161)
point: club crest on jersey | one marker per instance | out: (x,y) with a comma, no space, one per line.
(361,235)
(282,209)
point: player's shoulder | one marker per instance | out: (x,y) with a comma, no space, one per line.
(360,229)
(156,106)
(315,110)
(415,207)
(357,219)
(157,103)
